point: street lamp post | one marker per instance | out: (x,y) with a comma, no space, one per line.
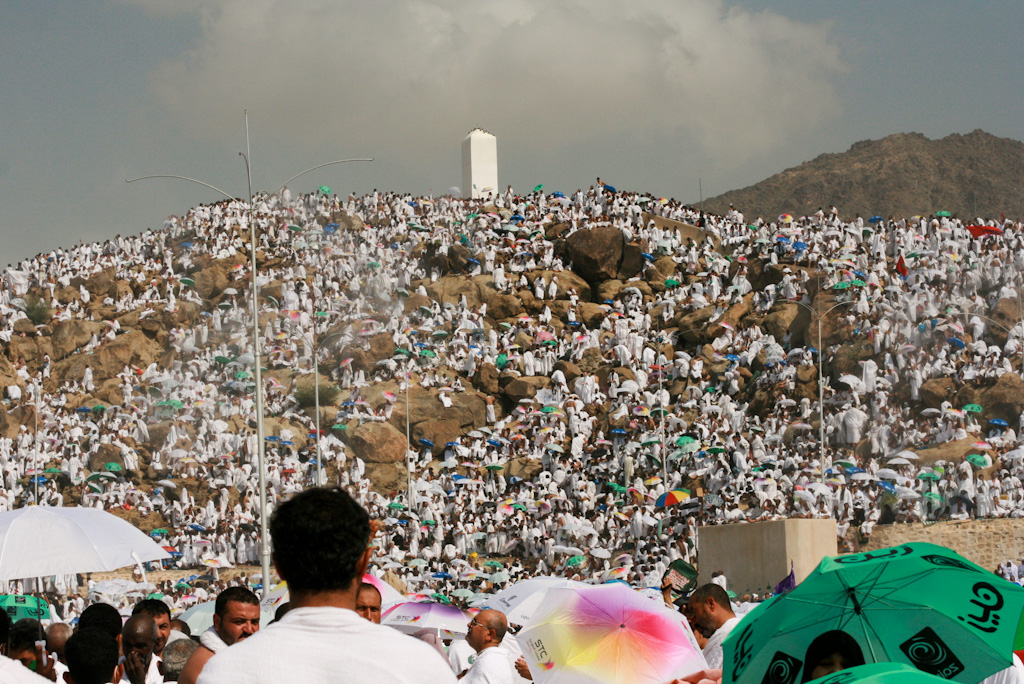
(821,382)
(261,449)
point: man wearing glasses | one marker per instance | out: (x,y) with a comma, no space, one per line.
(491,666)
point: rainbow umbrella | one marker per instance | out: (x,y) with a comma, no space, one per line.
(607,634)
(672,497)
(413,616)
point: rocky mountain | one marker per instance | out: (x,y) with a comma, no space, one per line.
(971,175)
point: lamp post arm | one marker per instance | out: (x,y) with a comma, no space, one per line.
(303,173)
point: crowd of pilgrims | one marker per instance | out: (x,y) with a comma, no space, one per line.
(909,285)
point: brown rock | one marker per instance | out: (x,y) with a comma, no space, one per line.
(783,318)
(502,306)
(378,443)
(72,334)
(486,378)
(608,290)
(936,391)
(23,326)
(101,285)
(591,314)
(596,253)
(526,387)
(388,478)
(570,370)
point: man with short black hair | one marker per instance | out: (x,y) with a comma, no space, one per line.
(710,611)
(236,617)
(321,548)
(161,615)
(92,656)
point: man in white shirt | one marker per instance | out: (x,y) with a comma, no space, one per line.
(491,665)
(321,540)
(709,611)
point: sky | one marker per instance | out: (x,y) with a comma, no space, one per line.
(680,98)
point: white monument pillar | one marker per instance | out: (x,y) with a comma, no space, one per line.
(479,164)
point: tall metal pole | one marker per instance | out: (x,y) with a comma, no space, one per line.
(261,447)
(35,454)
(260,440)
(408,441)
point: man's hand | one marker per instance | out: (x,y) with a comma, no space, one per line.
(135,668)
(45,663)
(523,669)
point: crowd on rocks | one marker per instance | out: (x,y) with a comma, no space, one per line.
(584,379)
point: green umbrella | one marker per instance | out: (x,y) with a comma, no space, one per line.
(187,281)
(53,471)
(841,286)
(114,467)
(99,408)
(339,426)
(428,353)
(845,464)
(374,264)
(616,487)
(937,498)
(716,450)
(574,561)
(858,282)
(397,505)
(978,460)
(98,476)
(18,607)
(931,477)
(549,409)
(221,359)
(684,440)
(538,188)
(159,531)
(945,214)
(241,375)
(462,593)
(494,466)
(324,189)
(671,282)
(519,506)
(972,408)
(492,564)
(880,673)
(917,603)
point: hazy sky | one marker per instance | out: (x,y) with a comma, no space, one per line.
(652,95)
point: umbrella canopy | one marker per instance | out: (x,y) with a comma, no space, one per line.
(413,616)
(18,607)
(520,601)
(78,540)
(608,633)
(918,604)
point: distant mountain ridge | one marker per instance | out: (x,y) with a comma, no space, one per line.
(971,175)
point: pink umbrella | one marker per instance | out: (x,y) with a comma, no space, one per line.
(608,634)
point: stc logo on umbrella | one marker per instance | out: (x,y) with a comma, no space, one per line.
(928,653)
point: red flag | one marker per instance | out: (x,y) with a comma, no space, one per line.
(981,231)
(901,267)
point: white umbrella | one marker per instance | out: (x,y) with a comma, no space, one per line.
(39,541)
(521,600)
(898,461)
(887,474)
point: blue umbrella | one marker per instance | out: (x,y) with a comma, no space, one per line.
(331,225)
(517,218)
(799,246)
(875,219)
(610,188)
(330,229)
(514,480)
(999,421)
(732,357)
(648,257)
(783,240)
(887,486)
(84,409)
(558,194)
(451,444)
(956,342)
(39,479)
(441,575)
(427,443)
(618,431)
(456,477)
(494,442)
(271,438)
(287,443)
(196,527)
(473,261)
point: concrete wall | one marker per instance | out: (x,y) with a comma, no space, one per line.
(985,542)
(479,164)
(756,556)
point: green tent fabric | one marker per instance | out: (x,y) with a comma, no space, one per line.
(919,604)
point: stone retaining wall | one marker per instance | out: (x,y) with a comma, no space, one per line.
(985,542)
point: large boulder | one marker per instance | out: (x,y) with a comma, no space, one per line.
(783,318)
(378,443)
(936,391)
(1004,399)
(388,478)
(101,285)
(601,253)
(451,289)
(526,387)
(72,334)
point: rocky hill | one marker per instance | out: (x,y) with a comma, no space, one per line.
(905,174)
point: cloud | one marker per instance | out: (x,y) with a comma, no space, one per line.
(413,77)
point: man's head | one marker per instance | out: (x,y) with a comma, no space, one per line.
(57,638)
(176,654)
(321,539)
(161,615)
(708,608)
(236,614)
(486,629)
(101,616)
(181,626)
(91,655)
(21,642)
(368,602)
(139,637)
